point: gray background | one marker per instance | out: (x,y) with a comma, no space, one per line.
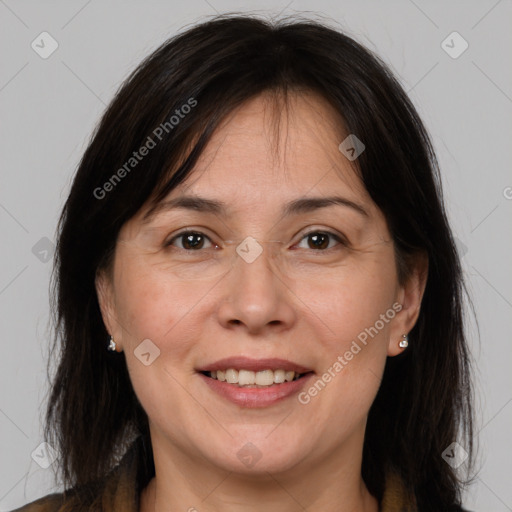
(50,106)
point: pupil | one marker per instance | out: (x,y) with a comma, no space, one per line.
(190,240)
(318,239)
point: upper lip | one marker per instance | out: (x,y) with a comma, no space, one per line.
(255,365)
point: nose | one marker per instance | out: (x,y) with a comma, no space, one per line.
(255,298)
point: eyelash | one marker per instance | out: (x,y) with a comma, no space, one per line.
(337,237)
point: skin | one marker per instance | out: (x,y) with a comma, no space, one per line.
(294,301)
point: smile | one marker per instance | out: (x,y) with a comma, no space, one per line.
(254,383)
(252,379)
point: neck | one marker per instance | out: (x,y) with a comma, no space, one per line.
(332,483)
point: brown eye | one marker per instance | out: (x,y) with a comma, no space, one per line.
(190,240)
(320,240)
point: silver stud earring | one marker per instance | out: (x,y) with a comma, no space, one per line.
(404,343)
(112,344)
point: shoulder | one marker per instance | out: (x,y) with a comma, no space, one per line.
(48,503)
(397,497)
(452,508)
(117,491)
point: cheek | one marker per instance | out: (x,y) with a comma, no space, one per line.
(153,308)
(358,314)
(355,322)
(150,304)
(349,302)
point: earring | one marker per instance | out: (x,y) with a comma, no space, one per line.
(404,343)
(112,344)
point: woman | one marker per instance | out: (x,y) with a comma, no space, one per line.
(256,234)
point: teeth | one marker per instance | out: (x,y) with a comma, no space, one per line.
(279,376)
(245,377)
(232,376)
(288,376)
(265,378)
(254,379)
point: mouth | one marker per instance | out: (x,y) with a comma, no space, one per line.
(255,382)
(251,379)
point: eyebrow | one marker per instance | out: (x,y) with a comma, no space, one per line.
(295,207)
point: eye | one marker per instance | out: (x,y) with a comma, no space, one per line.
(190,240)
(319,240)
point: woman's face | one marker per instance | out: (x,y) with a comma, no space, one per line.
(275,280)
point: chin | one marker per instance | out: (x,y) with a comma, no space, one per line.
(259,457)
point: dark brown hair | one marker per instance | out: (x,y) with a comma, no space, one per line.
(424,402)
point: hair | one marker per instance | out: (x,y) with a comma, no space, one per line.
(425,399)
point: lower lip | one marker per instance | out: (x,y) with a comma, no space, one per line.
(256,397)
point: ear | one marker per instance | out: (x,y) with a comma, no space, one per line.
(105,293)
(409,296)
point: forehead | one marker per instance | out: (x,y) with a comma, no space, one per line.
(271,144)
